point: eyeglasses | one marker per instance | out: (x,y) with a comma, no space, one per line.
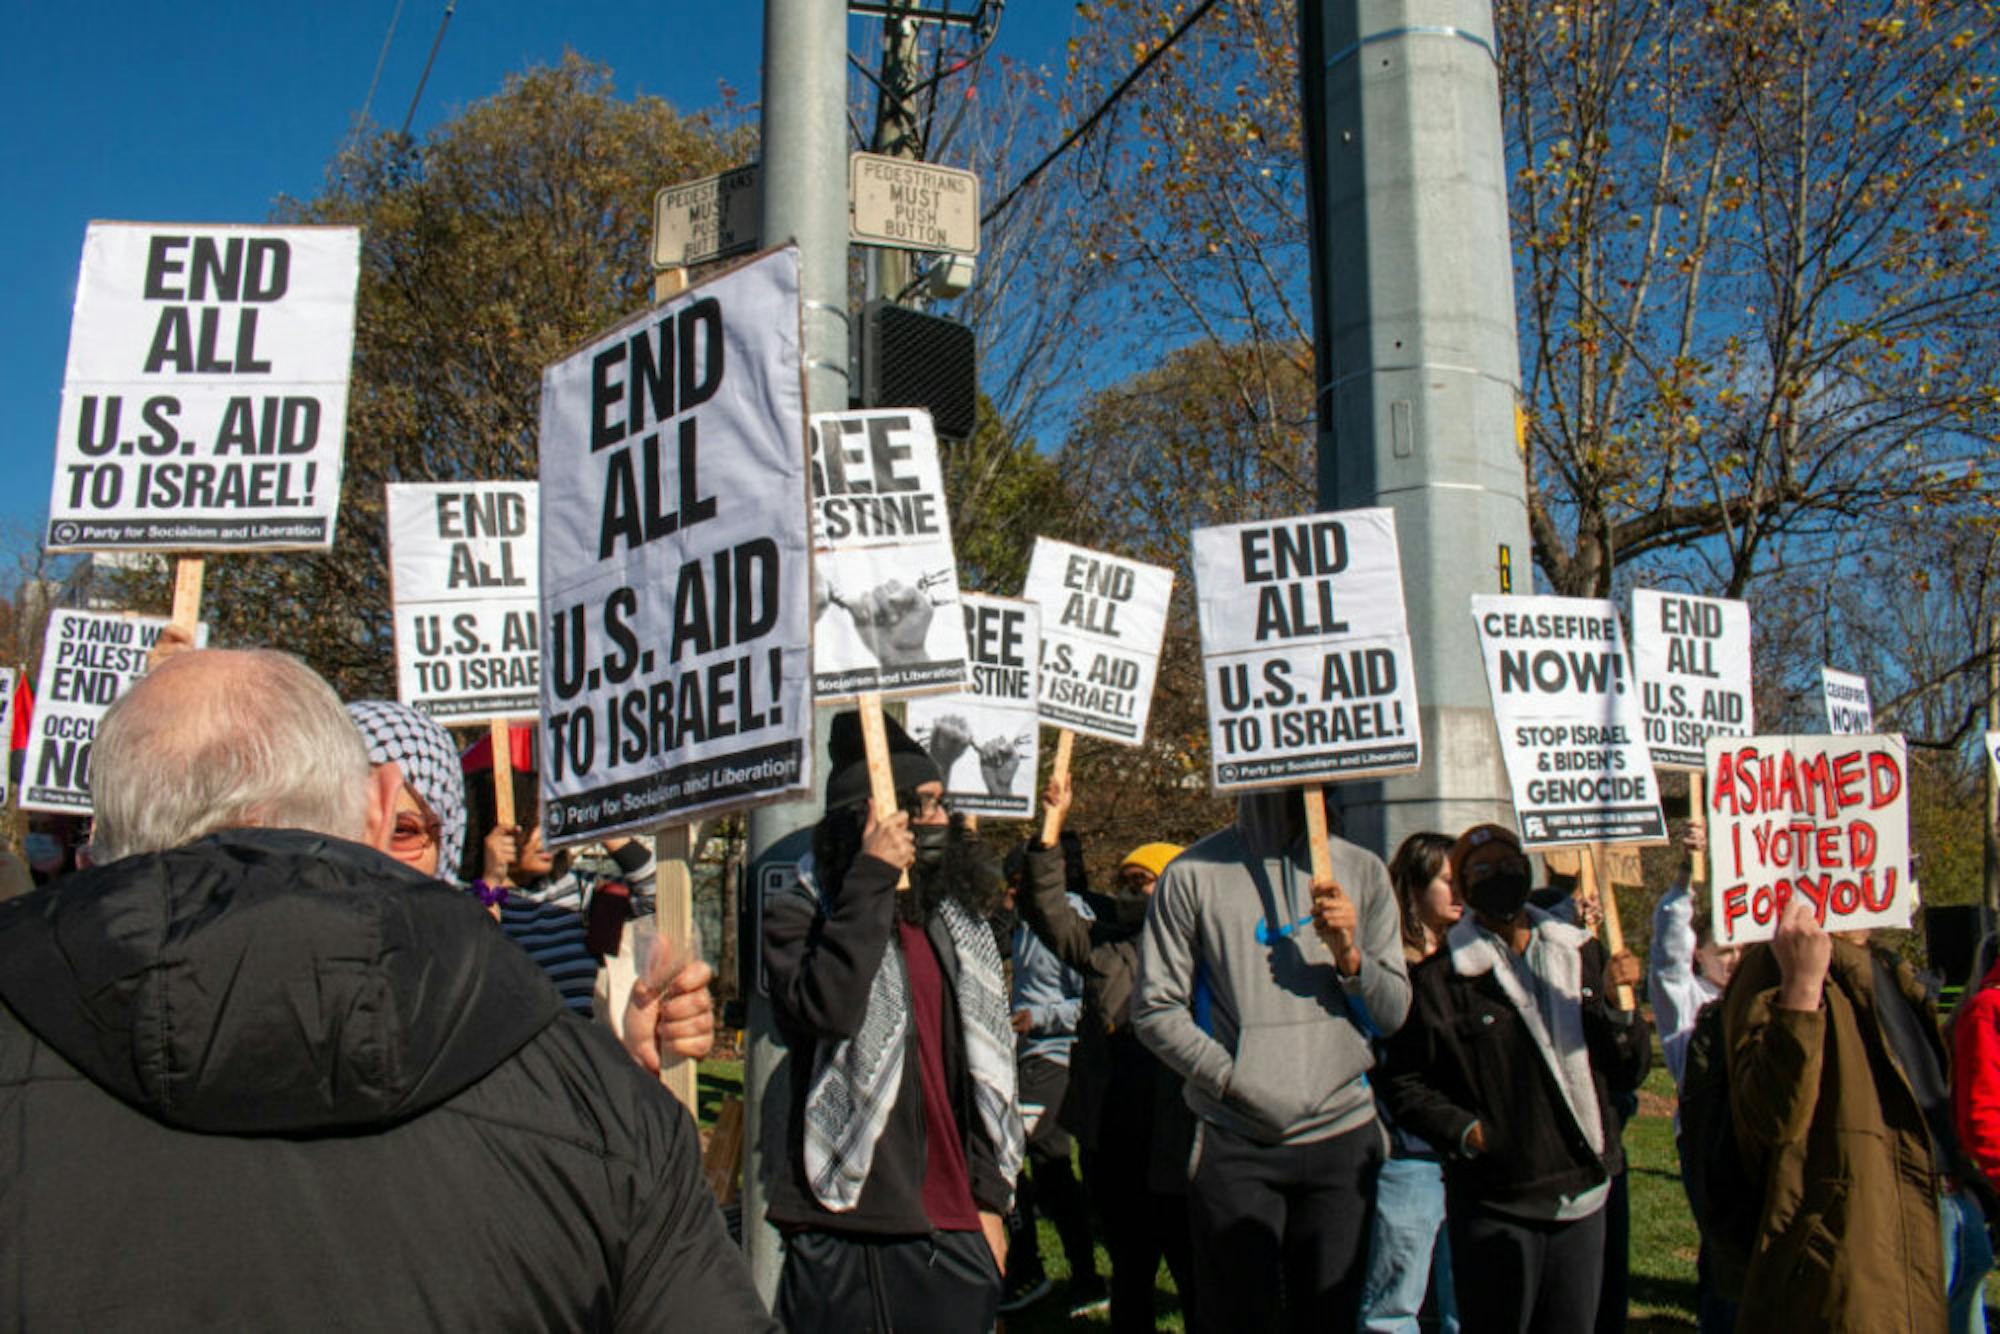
(414,831)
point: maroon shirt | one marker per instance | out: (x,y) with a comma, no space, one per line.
(947,1185)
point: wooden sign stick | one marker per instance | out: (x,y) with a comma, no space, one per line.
(1316,844)
(1614,935)
(1697,804)
(187,592)
(673,902)
(881,777)
(503,771)
(1052,821)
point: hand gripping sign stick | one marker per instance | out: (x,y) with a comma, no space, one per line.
(1324,885)
(881,778)
(1614,935)
(674,909)
(1052,820)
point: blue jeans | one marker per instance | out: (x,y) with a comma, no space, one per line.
(1968,1254)
(1407,1251)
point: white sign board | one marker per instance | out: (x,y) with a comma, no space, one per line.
(885,582)
(1305,649)
(1570,729)
(912,205)
(1848,712)
(986,741)
(6,723)
(1826,817)
(205,399)
(712,218)
(89,659)
(1693,656)
(464,565)
(1103,618)
(1993,754)
(676,581)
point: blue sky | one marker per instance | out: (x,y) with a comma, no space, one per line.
(202,111)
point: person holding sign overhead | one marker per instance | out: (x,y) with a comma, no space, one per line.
(1275,1047)
(1507,1066)
(903,1137)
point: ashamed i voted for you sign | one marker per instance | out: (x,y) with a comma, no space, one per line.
(1823,816)
(204,402)
(675,561)
(885,582)
(1569,721)
(1103,618)
(1693,658)
(986,741)
(1305,649)
(89,659)
(464,569)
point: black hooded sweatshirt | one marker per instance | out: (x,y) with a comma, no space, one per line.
(273,1080)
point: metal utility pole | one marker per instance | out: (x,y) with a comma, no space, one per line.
(1992,778)
(805,199)
(1418,370)
(897,135)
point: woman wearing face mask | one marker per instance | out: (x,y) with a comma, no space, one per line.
(1122,1105)
(1506,1065)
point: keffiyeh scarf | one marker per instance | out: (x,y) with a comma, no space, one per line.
(398,734)
(855,1081)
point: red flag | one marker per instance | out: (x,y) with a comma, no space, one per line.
(24,711)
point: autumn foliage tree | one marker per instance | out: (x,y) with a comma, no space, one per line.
(489,250)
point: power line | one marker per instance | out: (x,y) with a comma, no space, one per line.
(1089,122)
(368,102)
(417,96)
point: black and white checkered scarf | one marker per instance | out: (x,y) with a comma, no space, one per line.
(397,733)
(855,1081)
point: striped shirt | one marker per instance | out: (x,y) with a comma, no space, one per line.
(547,919)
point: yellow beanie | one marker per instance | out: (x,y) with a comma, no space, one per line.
(1151,856)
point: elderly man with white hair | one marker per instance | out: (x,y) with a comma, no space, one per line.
(254,1073)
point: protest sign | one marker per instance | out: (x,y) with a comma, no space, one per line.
(885,582)
(1826,817)
(1693,660)
(6,722)
(1993,754)
(1305,649)
(1848,712)
(1570,728)
(464,565)
(675,580)
(1103,617)
(986,740)
(89,659)
(204,404)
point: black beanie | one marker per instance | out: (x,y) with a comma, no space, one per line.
(847,779)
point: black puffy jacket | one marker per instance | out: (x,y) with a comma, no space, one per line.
(271,1080)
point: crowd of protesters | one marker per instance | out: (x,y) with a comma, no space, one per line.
(303,1034)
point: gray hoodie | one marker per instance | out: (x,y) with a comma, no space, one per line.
(1241,998)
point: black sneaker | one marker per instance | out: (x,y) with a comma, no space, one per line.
(1014,1296)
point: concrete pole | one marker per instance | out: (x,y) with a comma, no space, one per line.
(805,199)
(1419,372)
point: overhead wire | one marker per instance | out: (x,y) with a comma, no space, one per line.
(381,59)
(1089,122)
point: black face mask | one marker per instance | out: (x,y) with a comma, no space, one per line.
(1499,896)
(932,840)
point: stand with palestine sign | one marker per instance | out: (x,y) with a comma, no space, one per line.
(1306,653)
(205,397)
(1571,732)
